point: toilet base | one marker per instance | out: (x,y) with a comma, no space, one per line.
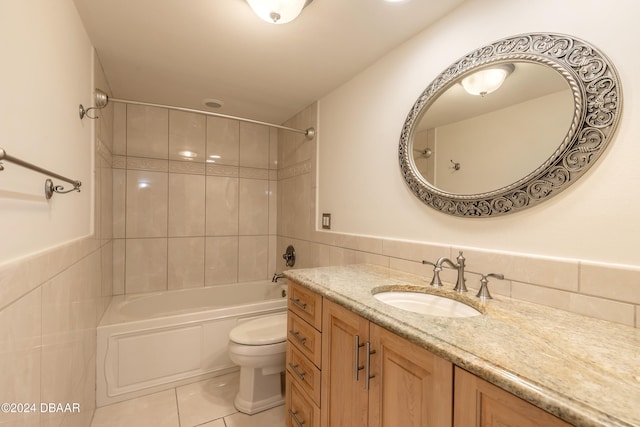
(258,392)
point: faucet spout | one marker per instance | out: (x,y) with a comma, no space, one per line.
(437,268)
(460,283)
(277,276)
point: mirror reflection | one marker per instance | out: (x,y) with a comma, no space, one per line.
(476,140)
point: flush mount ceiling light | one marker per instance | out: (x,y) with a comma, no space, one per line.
(278,11)
(487,80)
(212,103)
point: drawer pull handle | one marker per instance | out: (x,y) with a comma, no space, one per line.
(297,371)
(367,374)
(357,368)
(298,337)
(294,415)
(299,303)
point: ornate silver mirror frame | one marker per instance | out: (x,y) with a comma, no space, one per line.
(597,99)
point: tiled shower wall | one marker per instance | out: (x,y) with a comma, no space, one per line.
(194,200)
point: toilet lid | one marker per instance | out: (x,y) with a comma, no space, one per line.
(261,331)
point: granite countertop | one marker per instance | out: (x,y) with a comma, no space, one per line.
(584,370)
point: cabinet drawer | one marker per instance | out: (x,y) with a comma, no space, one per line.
(306,338)
(306,304)
(301,412)
(304,373)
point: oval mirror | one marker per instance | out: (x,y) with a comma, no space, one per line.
(509,125)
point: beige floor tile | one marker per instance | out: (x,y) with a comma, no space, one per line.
(207,400)
(216,423)
(155,410)
(270,418)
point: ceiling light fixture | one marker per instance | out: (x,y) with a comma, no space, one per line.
(487,80)
(278,11)
(212,103)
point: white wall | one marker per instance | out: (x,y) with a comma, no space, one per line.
(359,181)
(46,72)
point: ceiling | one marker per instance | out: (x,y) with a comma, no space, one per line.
(179,52)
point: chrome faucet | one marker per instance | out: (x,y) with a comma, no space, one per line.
(437,268)
(277,276)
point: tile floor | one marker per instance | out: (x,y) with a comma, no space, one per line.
(206,403)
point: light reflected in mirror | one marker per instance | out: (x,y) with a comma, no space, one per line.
(468,144)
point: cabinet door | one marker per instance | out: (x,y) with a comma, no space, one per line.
(412,387)
(344,399)
(481,404)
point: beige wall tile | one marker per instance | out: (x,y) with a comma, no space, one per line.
(187,136)
(119,202)
(185,262)
(273,255)
(541,295)
(614,282)
(106,254)
(119,128)
(221,260)
(146,265)
(553,273)
(600,308)
(253,258)
(221,206)
(119,252)
(65,372)
(295,218)
(71,298)
(106,201)
(254,145)
(253,207)
(147,132)
(273,148)
(414,251)
(223,141)
(293,147)
(186,205)
(371,258)
(147,204)
(273,207)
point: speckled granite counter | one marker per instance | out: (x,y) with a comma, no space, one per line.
(583,370)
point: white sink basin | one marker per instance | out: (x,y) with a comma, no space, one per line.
(432,305)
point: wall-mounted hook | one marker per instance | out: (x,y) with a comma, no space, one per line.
(456,165)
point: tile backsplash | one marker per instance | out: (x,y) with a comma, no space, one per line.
(195,200)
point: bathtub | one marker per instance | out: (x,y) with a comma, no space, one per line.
(155,341)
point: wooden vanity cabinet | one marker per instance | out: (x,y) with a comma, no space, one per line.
(345,371)
(372,377)
(479,403)
(303,359)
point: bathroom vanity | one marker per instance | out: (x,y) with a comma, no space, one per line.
(353,360)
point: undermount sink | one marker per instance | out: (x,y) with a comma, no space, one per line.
(432,305)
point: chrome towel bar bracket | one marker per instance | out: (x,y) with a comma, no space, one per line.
(49,187)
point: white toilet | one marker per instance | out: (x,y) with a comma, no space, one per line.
(258,346)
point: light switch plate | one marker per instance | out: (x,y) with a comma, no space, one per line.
(326,221)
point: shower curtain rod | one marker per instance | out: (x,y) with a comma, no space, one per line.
(309,133)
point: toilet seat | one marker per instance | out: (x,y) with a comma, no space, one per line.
(262,331)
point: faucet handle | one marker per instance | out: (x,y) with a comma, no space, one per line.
(435,281)
(483,293)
